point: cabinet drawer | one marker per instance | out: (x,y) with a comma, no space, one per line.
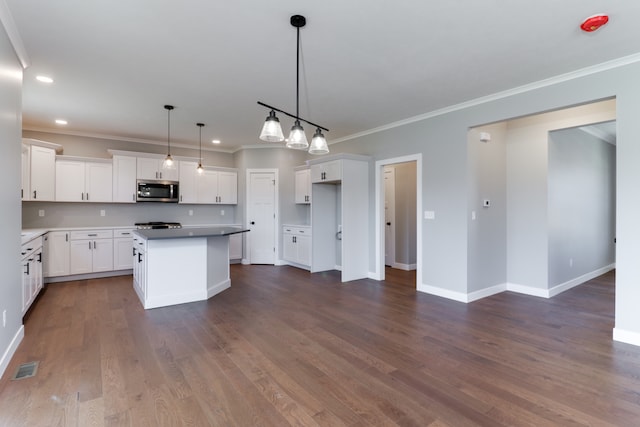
(30,247)
(91,234)
(122,233)
(304,230)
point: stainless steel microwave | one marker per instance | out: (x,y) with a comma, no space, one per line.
(157,191)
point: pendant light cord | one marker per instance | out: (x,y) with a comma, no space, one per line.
(298,73)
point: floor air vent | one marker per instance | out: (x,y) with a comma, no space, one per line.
(26,370)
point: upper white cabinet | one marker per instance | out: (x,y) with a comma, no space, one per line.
(151,168)
(42,173)
(209,187)
(330,171)
(124,179)
(83,181)
(303,186)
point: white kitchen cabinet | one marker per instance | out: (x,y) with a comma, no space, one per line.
(83,181)
(122,249)
(209,187)
(235,246)
(140,267)
(42,173)
(302,184)
(296,242)
(56,250)
(124,179)
(91,251)
(341,205)
(32,278)
(25,179)
(151,168)
(330,171)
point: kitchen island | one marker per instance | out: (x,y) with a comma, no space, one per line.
(177,266)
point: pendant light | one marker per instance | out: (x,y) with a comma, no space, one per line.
(272,131)
(168,161)
(200,169)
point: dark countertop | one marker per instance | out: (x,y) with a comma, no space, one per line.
(181,233)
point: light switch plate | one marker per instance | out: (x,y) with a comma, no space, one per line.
(41,212)
(429,215)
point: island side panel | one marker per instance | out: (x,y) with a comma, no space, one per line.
(218,274)
(176,271)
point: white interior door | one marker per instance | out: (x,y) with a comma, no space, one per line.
(389,216)
(261,217)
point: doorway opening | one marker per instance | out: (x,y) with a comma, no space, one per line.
(398,227)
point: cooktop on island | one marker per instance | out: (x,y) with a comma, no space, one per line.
(156,225)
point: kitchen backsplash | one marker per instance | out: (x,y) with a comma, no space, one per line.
(57,215)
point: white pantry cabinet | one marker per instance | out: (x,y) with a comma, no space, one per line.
(339,215)
(56,251)
(122,249)
(296,242)
(79,180)
(25,178)
(124,179)
(91,251)
(330,171)
(302,185)
(151,168)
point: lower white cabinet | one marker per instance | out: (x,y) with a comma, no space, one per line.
(122,249)
(140,268)
(56,251)
(296,245)
(91,251)
(32,277)
(235,246)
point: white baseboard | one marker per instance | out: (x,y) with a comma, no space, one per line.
(11,350)
(486,292)
(527,290)
(627,337)
(405,267)
(444,293)
(245,261)
(58,279)
(580,280)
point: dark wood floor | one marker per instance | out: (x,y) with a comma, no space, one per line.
(284,347)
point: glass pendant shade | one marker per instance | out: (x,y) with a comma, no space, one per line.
(297,138)
(318,143)
(271,130)
(200,169)
(168,162)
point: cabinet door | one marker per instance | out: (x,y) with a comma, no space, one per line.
(303,244)
(124,179)
(57,254)
(228,188)
(102,255)
(289,251)
(326,172)
(207,187)
(235,246)
(69,181)
(303,186)
(81,254)
(39,273)
(98,182)
(43,173)
(188,182)
(147,168)
(25,193)
(122,253)
(26,284)
(169,174)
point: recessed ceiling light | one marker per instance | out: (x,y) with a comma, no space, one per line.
(44,79)
(215,141)
(61,122)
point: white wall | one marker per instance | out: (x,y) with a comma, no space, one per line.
(527,189)
(581,205)
(10,262)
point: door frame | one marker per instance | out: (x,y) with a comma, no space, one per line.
(276,211)
(379,274)
(392,210)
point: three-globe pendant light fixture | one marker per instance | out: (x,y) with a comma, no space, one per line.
(272,131)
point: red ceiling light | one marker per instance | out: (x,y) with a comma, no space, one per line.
(594,22)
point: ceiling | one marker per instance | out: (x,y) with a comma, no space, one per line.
(365,64)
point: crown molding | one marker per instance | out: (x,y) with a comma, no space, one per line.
(609,65)
(6,18)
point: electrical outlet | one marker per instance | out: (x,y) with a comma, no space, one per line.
(190,212)
(222,212)
(41,212)
(102,212)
